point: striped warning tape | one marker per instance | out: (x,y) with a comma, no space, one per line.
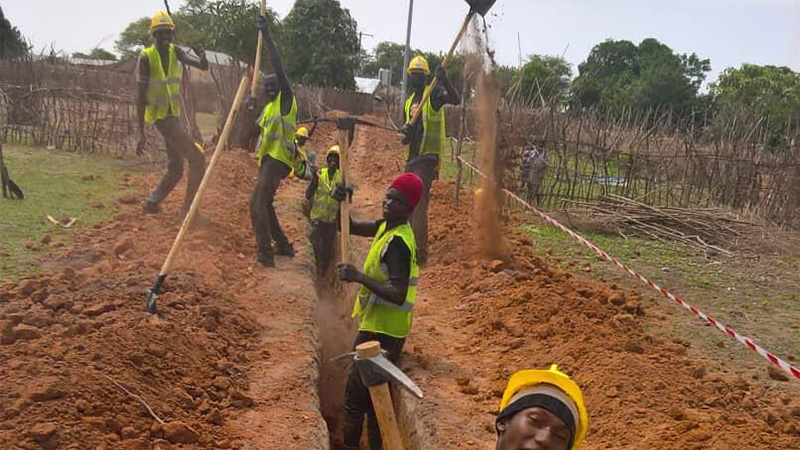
(788,368)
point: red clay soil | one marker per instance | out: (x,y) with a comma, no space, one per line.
(229,362)
(479,320)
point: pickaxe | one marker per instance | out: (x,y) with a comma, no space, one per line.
(375,372)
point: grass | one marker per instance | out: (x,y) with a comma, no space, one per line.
(53,183)
(207,124)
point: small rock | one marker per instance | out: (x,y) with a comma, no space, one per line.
(498,388)
(55,303)
(124,246)
(221,383)
(45,434)
(98,204)
(38,319)
(463,381)
(776,373)
(699,372)
(69,273)
(497,265)
(617,298)
(46,240)
(137,359)
(624,320)
(158,352)
(46,388)
(215,417)
(240,399)
(128,433)
(128,199)
(469,390)
(179,433)
(99,309)
(24,332)
(90,177)
(634,347)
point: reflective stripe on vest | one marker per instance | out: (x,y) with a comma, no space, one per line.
(379,315)
(434,138)
(163,89)
(325,207)
(277,133)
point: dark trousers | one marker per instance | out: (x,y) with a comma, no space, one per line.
(179,146)
(357,402)
(262,212)
(425,168)
(323,241)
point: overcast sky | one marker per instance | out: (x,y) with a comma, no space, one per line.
(729,32)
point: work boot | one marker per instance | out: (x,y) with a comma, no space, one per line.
(266,258)
(286,249)
(150,208)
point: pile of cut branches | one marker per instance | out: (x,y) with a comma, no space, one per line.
(711,230)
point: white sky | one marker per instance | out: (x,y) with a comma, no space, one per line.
(729,32)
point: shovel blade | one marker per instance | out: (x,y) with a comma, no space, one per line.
(150,303)
(481,6)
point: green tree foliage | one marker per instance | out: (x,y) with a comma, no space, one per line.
(96,53)
(321,42)
(759,91)
(230,28)
(388,55)
(620,74)
(12,43)
(544,79)
(134,37)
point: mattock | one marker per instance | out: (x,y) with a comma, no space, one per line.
(376,372)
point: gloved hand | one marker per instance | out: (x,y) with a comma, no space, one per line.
(441,73)
(262,25)
(199,51)
(348,272)
(250,103)
(340,192)
(405,130)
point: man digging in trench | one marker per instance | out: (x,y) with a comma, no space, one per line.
(159,102)
(385,300)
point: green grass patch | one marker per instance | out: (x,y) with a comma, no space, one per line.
(53,183)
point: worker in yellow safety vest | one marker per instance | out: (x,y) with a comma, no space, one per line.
(324,210)
(542,409)
(159,102)
(385,301)
(426,139)
(277,156)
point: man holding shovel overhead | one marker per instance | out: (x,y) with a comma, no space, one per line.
(276,155)
(159,102)
(425,140)
(385,301)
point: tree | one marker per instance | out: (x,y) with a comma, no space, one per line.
(761,91)
(12,43)
(388,55)
(545,78)
(321,42)
(96,53)
(230,28)
(620,74)
(134,37)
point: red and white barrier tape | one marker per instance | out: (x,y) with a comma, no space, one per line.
(788,368)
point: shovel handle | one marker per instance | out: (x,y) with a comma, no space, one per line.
(223,140)
(257,63)
(344,212)
(427,94)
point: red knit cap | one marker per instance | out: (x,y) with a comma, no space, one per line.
(411,187)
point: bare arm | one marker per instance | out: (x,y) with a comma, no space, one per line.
(398,264)
(450,94)
(312,187)
(277,63)
(184,57)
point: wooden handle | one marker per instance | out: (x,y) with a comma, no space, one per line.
(223,140)
(387,421)
(257,64)
(426,95)
(344,205)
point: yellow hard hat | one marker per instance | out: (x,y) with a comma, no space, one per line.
(334,150)
(161,20)
(528,380)
(419,63)
(302,132)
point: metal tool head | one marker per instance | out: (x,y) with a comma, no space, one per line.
(374,368)
(150,303)
(481,6)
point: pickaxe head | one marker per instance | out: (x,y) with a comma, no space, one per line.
(375,369)
(481,6)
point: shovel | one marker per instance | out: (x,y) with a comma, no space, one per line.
(475,7)
(152,294)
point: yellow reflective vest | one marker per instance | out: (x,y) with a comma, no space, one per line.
(378,315)
(434,138)
(325,207)
(163,89)
(277,134)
